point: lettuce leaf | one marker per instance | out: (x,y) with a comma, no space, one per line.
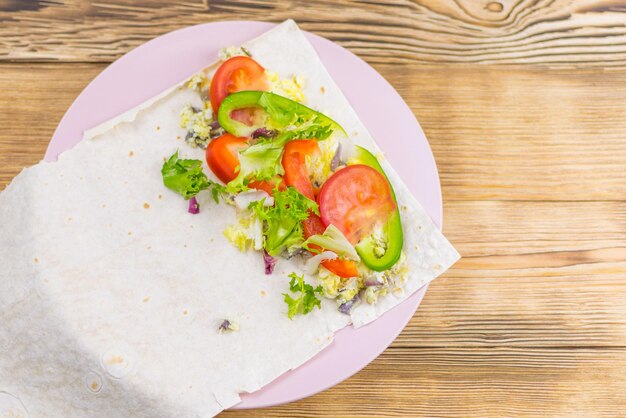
(333,240)
(306,301)
(261,161)
(283,221)
(186,178)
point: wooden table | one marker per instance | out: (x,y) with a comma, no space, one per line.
(524,104)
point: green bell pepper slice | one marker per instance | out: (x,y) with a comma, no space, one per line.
(380,252)
(280,111)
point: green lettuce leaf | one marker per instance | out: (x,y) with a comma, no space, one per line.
(333,240)
(306,301)
(186,178)
(261,161)
(283,221)
(309,128)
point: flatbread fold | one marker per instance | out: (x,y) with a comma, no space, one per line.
(112,293)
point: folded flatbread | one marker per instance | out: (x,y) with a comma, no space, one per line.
(112,293)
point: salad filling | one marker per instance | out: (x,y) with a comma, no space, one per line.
(280,166)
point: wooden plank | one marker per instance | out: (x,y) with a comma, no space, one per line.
(525,134)
(507,134)
(562,311)
(492,382)
(557,33)
(33,100)
(514,228)
(533,274)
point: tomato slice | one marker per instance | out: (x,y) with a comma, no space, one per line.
(356,199)
(341,267)
(268,186)
(313,225)
(294,163)
(306,147)
(236,74)
(222,156)
(297,175)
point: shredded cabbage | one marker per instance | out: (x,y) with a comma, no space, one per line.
(246,233)
(320,165)
(288,87)
(394,277)
(330,283)
(198,124)
(231,51)
(349,290)
(199,82)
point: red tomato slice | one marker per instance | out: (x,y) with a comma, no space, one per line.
(297,175)
(236,74)
(313,226)
(268,186)
(294,163)
(307,147)
(341,267)
(355,199)
(222,156)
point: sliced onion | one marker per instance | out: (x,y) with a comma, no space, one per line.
(194,207)
(313,263)
(243,199)
(373,281)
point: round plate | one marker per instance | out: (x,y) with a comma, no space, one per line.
(166,60)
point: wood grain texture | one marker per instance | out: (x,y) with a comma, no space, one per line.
(532,159)
(547,32)
(451,381)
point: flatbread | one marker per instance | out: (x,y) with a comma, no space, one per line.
(112,293)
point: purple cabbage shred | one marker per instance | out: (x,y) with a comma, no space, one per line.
(194,207)
(334,163)
(264,132)
(269,261)
(346,307)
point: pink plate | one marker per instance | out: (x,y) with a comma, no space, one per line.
(164,61)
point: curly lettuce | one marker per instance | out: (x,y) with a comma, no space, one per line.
(259,162)
(306,301)
(186,178)
(283,222)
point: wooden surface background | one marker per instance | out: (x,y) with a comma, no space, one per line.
(524,104)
